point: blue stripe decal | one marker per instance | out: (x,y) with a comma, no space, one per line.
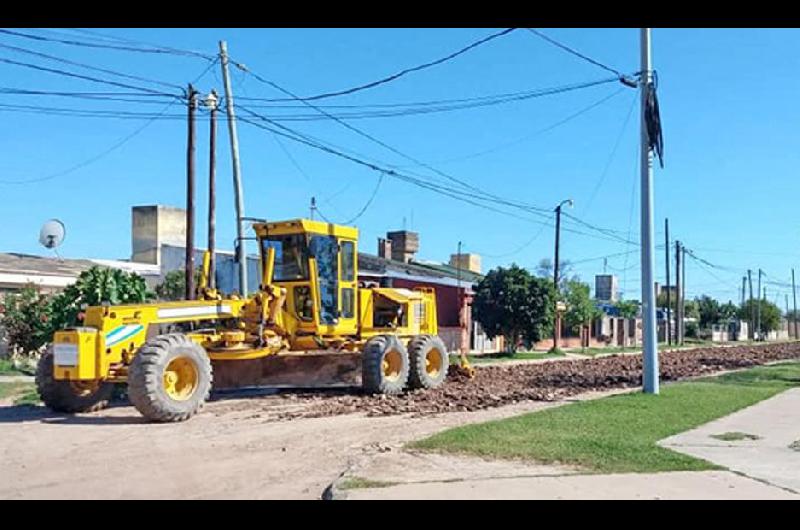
(122,333)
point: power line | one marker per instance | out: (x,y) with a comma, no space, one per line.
(81,76)
(526,137)
(89,67)
(405,71)
(576,53)
(107,151)
(611,157)
(387,146)
(73,42)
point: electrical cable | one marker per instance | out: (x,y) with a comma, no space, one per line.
(405,71)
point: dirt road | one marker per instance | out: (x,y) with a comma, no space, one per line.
(225,452)
(293,445)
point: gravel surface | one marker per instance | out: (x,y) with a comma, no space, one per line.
(495,386)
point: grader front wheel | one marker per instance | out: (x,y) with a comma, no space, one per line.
(170,378)
(69,396)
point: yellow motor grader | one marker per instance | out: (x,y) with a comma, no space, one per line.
(310,305)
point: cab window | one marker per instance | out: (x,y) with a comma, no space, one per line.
(291,257)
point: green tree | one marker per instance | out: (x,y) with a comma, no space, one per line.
(770,314)
(512,303)
(173,287)
(581,309)
(31,318)
(25,319)
(627,308)
(565,272)
(709,310)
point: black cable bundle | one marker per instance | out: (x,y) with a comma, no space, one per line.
(653,120)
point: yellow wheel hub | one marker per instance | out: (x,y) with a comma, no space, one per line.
(392,365)
(180,378)
(433,362)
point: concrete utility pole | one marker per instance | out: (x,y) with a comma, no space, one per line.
(666,254)
(190,151)
(241,247)
(678,282)
(794,304)
(758,307)
(752,322)
(650,339)
(212,103)
(557,319)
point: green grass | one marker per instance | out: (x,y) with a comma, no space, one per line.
(7,368)
(351,483)
(618,434)
(502,357)
(28,397)
(8,390)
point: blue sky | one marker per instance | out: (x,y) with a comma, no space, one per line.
(728,105)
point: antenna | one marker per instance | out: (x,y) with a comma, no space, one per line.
(52,234)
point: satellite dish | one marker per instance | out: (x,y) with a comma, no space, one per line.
(52,233)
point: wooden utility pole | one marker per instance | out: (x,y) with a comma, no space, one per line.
(459,297)
(678,282)
(682,297)
(190,179)
(752,323)
(212,102)
(794,306)
(758,307)
(666,255)
(557,317)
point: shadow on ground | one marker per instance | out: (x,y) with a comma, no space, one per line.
(40,413)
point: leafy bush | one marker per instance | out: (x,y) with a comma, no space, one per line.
(30,318)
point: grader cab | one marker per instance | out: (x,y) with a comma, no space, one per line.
(310,305)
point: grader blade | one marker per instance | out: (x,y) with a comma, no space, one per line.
(308,370)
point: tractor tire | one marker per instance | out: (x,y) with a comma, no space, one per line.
(170,378)
(429,361)
(69,396)
(384,365)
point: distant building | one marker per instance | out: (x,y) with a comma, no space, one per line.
(606,287)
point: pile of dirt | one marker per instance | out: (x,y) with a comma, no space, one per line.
(494,386)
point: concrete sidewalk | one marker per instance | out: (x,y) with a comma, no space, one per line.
(762,461)
(684,485)
(767,430)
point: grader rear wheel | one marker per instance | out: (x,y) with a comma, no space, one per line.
(384,365)
(69,396)
(170,378)
(429,361)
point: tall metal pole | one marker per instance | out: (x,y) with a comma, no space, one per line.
(650,366)
(794,304)
(666,254)
(758,307)
(752,322)
(190,152)
(241,247)
(212,192)
(678,282)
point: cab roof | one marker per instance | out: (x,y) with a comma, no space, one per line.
(298,226)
